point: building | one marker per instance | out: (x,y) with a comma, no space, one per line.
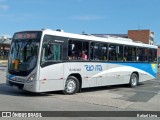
(145,36)
(5,41)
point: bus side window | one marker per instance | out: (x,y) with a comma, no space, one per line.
(104,52)
(139,54)
(115,52)
(51,52)
(78,50)
(145,54)
(133,53)
(84,55)
(73,49)
(95,51)
(125,53)
(129,53)
(152,55)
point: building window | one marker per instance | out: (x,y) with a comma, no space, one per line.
(151,38)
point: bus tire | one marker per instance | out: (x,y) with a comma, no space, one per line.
(133,80)
(71,86)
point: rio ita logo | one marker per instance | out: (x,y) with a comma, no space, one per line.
(93,67)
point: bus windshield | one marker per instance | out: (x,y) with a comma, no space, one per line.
(23,55)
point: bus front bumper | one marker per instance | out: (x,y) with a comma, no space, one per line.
(31,87)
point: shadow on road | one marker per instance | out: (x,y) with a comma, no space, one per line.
(6,90)
(112,87)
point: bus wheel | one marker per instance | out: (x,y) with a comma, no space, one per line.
(71,86)
(133,80)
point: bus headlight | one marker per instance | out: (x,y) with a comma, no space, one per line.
(31,78)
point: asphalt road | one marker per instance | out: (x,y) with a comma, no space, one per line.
(145,97)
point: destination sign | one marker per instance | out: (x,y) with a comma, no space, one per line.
(25,35)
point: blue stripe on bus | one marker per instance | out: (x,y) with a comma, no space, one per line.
(150,68)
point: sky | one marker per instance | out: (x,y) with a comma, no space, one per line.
(77,16)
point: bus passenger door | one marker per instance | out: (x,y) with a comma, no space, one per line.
(51,71)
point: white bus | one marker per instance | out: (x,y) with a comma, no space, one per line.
(48,60)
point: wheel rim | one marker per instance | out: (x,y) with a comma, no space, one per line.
(70,86)
(134,80)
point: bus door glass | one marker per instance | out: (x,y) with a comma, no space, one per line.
(51,52)
(52,48)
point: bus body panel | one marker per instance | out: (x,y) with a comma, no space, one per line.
(146,71)
(111,73)
(88,71)
(51,77)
